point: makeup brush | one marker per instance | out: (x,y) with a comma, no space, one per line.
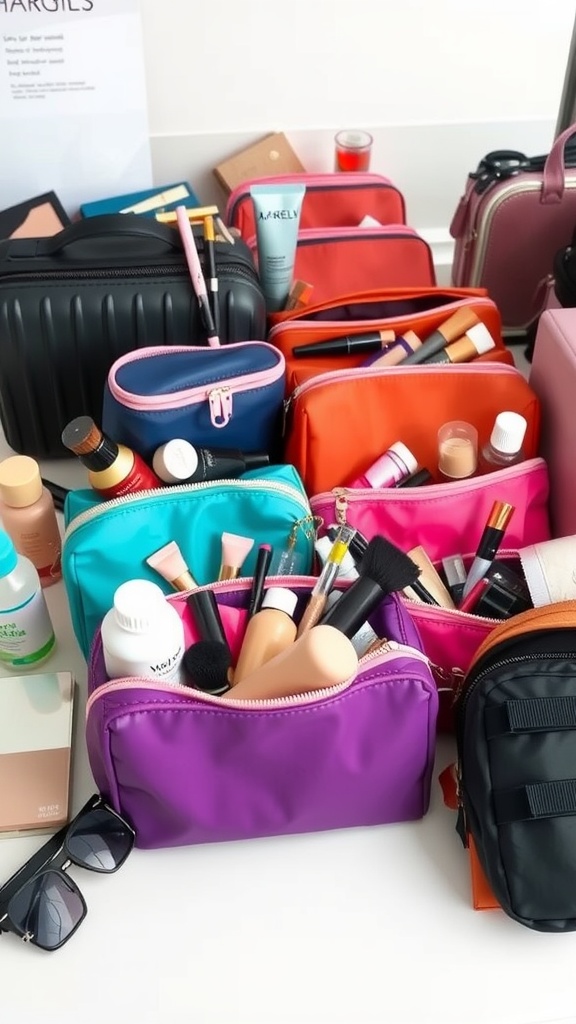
(383,570)
(207,663)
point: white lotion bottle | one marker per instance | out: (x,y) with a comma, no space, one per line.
(26,631)
(142,634)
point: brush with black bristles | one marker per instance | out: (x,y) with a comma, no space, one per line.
(207,663)
(383,570)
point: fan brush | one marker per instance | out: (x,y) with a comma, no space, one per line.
(384,569)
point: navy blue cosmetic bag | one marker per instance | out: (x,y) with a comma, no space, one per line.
(226,397)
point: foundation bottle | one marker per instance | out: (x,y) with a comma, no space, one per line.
(114,469)
(269,631)
(29,517)
(457,450)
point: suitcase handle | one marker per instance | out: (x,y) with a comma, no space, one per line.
(553,174)
(113,226)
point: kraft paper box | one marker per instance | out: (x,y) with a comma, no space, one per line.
(272,155)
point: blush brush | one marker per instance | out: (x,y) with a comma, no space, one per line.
(384,569)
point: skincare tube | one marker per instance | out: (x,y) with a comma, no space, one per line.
(452,328)
(169,563)
(235,550)
(277,214)
(179,462)
(393,466)
(320,658)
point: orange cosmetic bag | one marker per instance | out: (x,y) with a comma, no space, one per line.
(418,308)
(340,417)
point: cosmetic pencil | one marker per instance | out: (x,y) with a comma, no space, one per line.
(316,605)
(58,493)
(263,559)
(196,275)
(211,263)
(450,330)
(423,594)
(347,344)
(490,541)
(471,599)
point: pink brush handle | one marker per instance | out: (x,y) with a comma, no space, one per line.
(197,277)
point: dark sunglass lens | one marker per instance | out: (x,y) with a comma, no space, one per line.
(99,841)
(47,909)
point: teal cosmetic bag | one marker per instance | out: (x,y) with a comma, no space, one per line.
(106,543)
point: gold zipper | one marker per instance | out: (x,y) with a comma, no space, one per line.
(134,499)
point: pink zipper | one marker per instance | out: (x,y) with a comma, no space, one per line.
(343,496)
(391,650)
(352,325)
(232,587)
(343,376)
(327,181)
(219,394)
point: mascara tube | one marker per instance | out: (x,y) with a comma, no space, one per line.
(347,344)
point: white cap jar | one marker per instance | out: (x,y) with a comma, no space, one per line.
(142,634)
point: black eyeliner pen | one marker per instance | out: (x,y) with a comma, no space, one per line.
(212,281)
(257,592)
(58,493)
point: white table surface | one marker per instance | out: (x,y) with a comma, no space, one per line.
(362,926)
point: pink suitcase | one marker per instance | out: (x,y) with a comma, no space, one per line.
(553,378)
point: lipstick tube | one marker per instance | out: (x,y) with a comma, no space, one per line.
(490,541)
(348,344)
(452,328)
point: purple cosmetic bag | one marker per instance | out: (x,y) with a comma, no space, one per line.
(185,767)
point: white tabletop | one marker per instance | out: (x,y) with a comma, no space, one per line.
(364,926)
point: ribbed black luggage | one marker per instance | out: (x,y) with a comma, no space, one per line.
(70,305)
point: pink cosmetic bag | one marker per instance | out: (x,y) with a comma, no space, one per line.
(446,519)
(553,378)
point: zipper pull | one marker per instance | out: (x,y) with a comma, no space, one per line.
(220,401)
(340,505)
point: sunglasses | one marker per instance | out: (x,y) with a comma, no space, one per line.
(41,903)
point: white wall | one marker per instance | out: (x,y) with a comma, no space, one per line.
(438,82)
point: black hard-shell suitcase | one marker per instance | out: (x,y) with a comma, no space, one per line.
(70,305)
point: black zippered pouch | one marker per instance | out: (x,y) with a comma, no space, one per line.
(71,304)
(516,772)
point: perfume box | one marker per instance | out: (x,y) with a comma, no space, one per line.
(271,155)
(36,729)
